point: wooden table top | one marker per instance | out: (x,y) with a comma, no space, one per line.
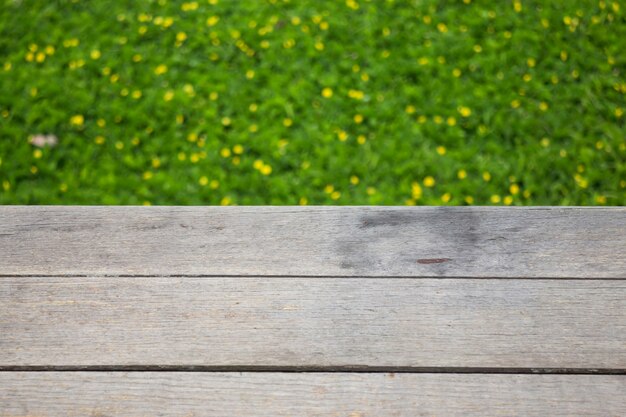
(313,311)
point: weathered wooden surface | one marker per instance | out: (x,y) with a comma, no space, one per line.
(497,301)
(314,241)
(312,322)
(54,394)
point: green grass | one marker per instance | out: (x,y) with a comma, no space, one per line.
(433,102)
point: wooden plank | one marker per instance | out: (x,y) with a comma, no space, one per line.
(314,241)
(312,322)
(52,394)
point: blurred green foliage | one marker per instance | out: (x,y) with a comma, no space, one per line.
(318,102)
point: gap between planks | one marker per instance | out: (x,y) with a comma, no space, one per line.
(364,277)
(317,370)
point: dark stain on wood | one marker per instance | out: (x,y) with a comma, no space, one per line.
(433,260)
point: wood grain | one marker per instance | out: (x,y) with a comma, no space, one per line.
(172,394)
(312,322)
(314,241)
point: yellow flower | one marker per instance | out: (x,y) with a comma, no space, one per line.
(545,142)
(161,69)
(266,170)
(37,153)
(287,122)
(168,96)
(446,197)
(441,150)
(189,6)
(147,175)
(95,54)
(515,103)
(77,120)
(303,201)
(335,195)
(486,176)
(361,139)
(462,174)
(226,121)
(225,201)
(250,74)
(99,140)
(214,184)
(451,121)
(238,149)
(410,109)
(327,92)
(495,199)
(416,190)
(508,200)
(441,27)
(429,181)
(465,111)
(358,118)
(212,21)
(543,106)
(356,94)
(342,135)
(456,72)
(329,189)
(136,94)
(514,189)
(225,152)
(181,36)
(203,180)
(469,200)
(354,180)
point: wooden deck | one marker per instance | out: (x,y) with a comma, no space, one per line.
(318,311)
